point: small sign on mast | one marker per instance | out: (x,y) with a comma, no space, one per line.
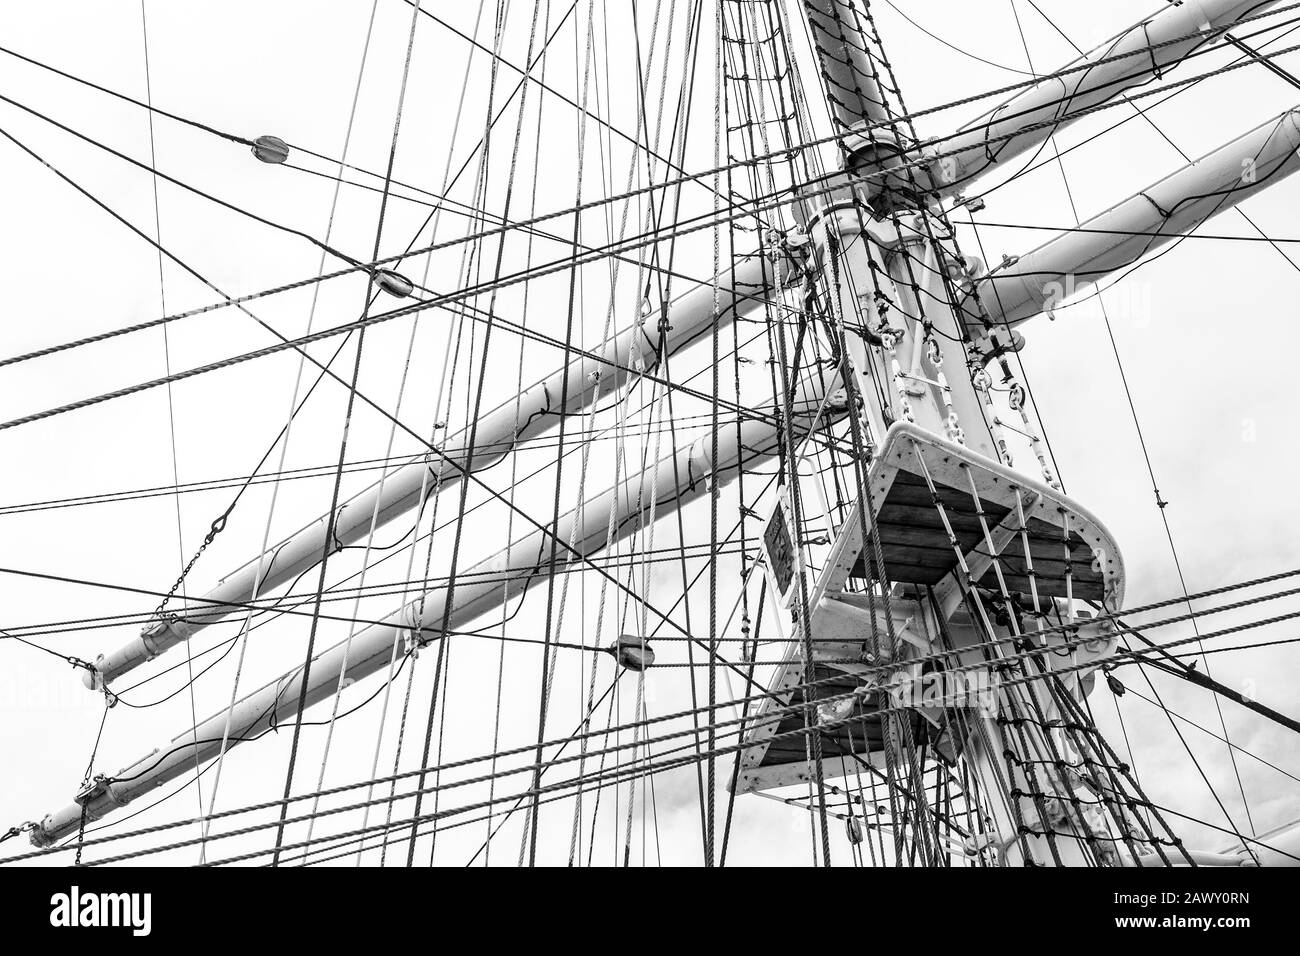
(783,562)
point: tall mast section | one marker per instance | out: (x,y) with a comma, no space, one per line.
(954,559)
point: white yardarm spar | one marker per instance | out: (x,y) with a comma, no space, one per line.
(1150,48)
(605,518)
(1142,224)
(606,368)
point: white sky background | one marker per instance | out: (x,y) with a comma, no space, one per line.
(1203,333)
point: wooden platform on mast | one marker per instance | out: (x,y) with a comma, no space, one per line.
(1072,554)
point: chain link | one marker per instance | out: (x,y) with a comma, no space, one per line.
(218,526)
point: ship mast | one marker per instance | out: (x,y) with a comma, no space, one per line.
(959,556)
(969,586)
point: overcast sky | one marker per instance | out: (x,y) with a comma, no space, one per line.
(1203,334)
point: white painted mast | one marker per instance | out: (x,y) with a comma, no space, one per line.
(913,354)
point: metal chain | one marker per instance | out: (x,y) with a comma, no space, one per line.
(218,525)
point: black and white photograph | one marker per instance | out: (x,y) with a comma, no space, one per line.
(632,434)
